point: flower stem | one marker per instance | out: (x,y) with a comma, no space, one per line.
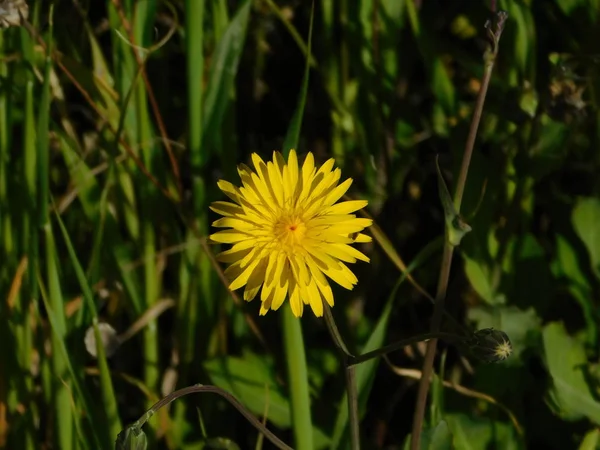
(450,337)
(490,58)
(297,380)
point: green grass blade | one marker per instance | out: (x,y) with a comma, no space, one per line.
(194,13)
(61,349)
(293,133)
(60,382)
(108,393)
(222,76)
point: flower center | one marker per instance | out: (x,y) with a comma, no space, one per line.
(289,232)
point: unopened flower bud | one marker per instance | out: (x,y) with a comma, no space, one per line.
(490,345)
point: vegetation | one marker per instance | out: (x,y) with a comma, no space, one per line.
(117,119)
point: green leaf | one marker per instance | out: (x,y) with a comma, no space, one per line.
(570,395)
(251,379)
(591,441)
(293,133)
(438,437)
(566,268)
(455,227)
(585,218)
(481,282)
(434,438)
(473,433)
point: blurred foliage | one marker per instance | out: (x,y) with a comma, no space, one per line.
(143,105)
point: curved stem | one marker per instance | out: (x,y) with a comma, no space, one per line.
(227,396)
(450,337)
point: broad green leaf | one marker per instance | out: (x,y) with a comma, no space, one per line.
(437,438)
(251,380)
(480,280)
(570,395)
(434,438)
(566,268)
(591,441)
(586,220)
(475,433)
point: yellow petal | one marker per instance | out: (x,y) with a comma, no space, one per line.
(337,193)
(266,305)
(347,207)
(276,182)
(231,255)
(316,302)
(352,226)
(229,190)
(256,161)
(326,291)
(279,295)
(351,251)
(255,281)
(229,236)
(293,167)
(336,252)
(308,168)
(230,222)
(242,279)
(295,300)
(226,209)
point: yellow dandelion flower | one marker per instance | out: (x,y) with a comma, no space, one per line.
(288,234)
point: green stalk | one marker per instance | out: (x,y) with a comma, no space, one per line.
(144,17)
(297,379)
(191,259)
(109,402)
(63,413)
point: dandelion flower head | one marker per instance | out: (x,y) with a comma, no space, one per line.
(289,236)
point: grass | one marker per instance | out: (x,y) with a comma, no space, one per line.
(117,118)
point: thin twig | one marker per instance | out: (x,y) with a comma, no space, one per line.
(353,407)
(449,337)
(198,388)
(350,371)
(490,58)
